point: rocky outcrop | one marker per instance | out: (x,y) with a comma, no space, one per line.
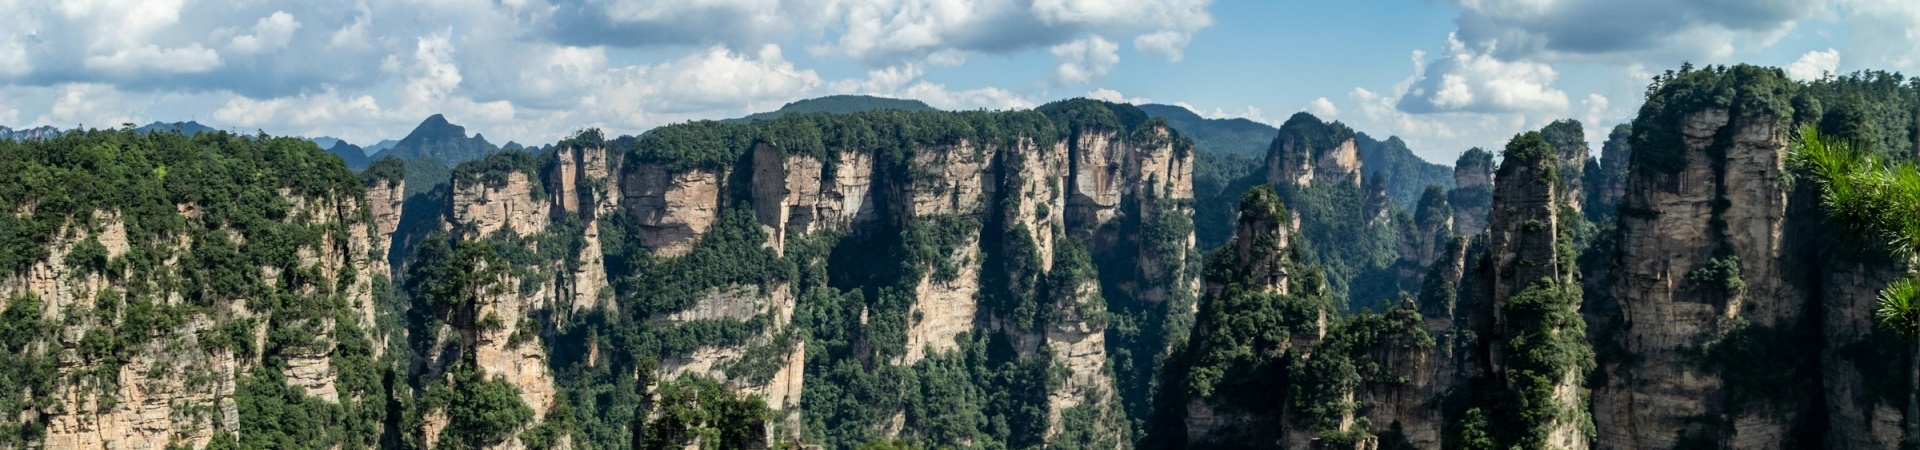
(483,207)
(1532,337)
(1472,195)
(1309,150)
(1684,283)
(1569,140)
(672,209)
(1615,155)
(385,198)
(175,387)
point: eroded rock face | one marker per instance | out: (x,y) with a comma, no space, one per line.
(672,209)
(176,388)
(949,179)
(1523,258)
(1654,400)
(1097,162)
(1296,164)
(1472,195)
(944,309)
(507,352)
(481,208)
(385,198)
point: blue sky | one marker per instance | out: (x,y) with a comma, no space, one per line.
(1443,74)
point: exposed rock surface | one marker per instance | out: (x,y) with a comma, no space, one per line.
(1653,400)
(1524,263)
(672,209)
(482,208)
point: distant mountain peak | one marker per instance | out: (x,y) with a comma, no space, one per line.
(187,128)
(841,104)
(436,137)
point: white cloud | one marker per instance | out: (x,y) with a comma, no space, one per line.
(92,105)
(269,34)
(1085,59)
(1627,30)
(892,32)
(1886,33)
(1470,80)
(1323,108)
(1170,44)
(1814,65)
(1110,95)
(189,59)
(720,78)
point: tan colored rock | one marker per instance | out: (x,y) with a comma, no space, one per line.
(846,198)
(672,209)
(1098,161)
(386,198)
(949,179)
(1654,400)
(481,208)
(945,309)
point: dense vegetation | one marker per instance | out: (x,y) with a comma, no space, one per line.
(1283,354)
(186,205)
(1404,174)
(839,104)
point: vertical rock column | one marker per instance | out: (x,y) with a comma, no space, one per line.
(1528,319)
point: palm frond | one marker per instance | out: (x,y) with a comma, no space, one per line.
(1898,308)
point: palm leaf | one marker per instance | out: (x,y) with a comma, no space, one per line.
(1898,309)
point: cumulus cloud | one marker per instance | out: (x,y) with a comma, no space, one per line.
(189,59)
(718,78)
(1814,65)
(1110,95)
(1466,80)
(537,69)
(1887,31)
(890,32)
(269,34)
(1604,29)
(1169,44)
(1323,108)
(1085,59)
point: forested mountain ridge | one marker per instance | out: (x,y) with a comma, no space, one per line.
(840,104)
(636,294)
(925,279)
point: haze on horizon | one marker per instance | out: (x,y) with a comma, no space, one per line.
(1443,75)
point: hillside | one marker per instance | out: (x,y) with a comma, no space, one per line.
(840,104)
(189,128)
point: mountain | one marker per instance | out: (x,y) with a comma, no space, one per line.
(188,128)
(438,139)
(433,148)
(43,132)
(355,157)
(1228,136)
(839,104)
(1405,174)
(326,142)
(1011,279)
(828,279)
(381,146)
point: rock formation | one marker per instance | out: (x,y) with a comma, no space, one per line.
(1472,195)
(1309,150)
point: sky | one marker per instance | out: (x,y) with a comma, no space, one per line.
(1444,75)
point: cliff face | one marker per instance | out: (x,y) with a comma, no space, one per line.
(1527,320)
(156,331)
(1472,195)
(1309,150)
(996,238)
(1675,271)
